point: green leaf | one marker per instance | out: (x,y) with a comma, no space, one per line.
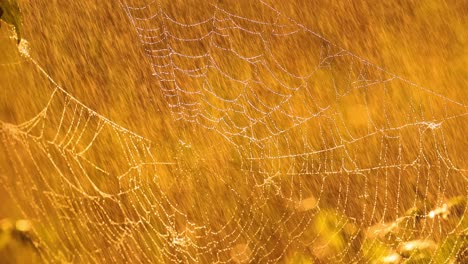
(299,258)
(450,248)
(329,226)
(5,239)
(5,232)
(375,251)
(10,13)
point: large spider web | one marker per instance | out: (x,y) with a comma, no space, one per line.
(316,132)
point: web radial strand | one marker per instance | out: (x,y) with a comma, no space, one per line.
(310,119)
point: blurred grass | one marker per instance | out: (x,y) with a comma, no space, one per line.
(90,49)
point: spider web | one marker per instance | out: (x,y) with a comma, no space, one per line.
(310,119)
(318,132)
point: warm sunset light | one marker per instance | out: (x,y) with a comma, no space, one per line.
(233,131)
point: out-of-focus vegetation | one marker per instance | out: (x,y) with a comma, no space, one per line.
(90,48)
(16,244)
(10,13)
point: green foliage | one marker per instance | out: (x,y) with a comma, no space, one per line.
(393,248)
(10,13)
(329,226)
(5,231)
(299,258)
(10,231)
(16,236)
(4,239)
(375,250)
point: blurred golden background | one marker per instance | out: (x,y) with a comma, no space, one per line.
(185,193)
